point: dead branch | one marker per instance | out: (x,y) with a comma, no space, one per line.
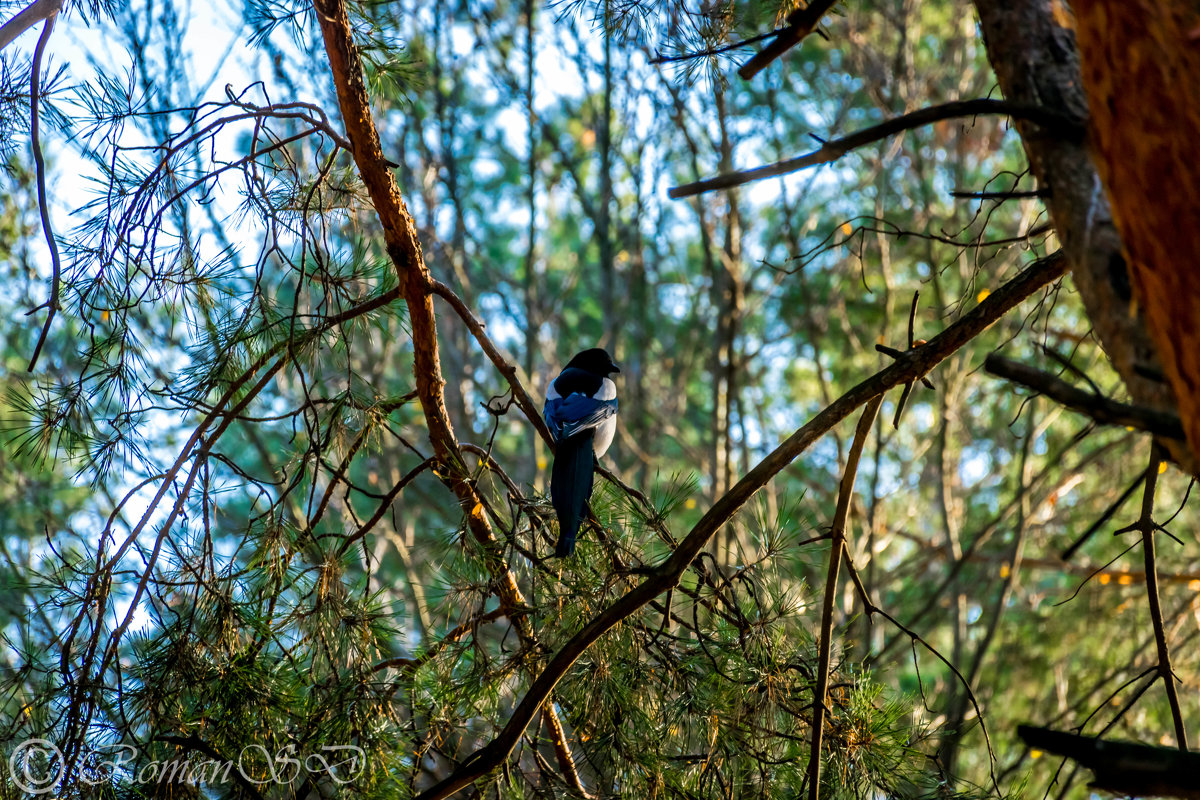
(838,532)
(51,305)
(1099,408)
(1147,527)
(833,150)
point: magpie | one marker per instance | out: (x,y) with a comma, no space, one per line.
(581,412)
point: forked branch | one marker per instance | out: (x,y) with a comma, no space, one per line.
(1147,527)
(417,287)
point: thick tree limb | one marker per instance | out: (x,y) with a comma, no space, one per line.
(799,24)
(665,577)
(1123,768)
(833,150)
(26,18)
(1098,407)
(713,51)
(1140,66)
(1036,61)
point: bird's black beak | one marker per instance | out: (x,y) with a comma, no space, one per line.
(614,367)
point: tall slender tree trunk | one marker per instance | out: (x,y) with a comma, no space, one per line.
(727,300)
(532,314)
(604,221)
(457,354)
(1032,47)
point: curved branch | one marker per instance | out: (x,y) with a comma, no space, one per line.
(824,643)
(26,18)
(35,78)
(506,367)
(1147,527)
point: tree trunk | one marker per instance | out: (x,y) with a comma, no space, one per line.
(1031,46)
(1140,67)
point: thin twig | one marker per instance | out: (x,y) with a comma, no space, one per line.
(912,321)
(506,367)
(714,51)
(838,532)
(1105,517)
(1014,195)
(407,666)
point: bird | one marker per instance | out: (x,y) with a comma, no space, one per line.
(581,412)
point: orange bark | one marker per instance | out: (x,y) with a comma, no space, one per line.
(1141,70)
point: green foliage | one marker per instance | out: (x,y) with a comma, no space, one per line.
(223,530)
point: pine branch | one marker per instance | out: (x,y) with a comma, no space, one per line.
(417,286)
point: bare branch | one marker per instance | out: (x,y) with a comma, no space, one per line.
(506,366)
(1101,409)
(833,150)
(35,78)
(838,532)
(1148,528)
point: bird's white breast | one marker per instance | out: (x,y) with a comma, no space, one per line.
(608,390)
(607,429)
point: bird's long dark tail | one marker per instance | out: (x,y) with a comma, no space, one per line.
(571,486)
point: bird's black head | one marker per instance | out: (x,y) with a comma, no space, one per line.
(596,360)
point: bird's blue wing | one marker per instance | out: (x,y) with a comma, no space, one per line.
(567,416)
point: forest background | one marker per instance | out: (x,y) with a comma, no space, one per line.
(285,285)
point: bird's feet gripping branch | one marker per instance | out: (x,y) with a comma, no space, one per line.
(581,412)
